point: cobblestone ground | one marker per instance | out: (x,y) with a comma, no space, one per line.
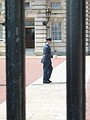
(33,71)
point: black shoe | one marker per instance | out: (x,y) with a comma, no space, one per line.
(50,81)
(47,82)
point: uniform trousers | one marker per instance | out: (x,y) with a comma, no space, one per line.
(47,71)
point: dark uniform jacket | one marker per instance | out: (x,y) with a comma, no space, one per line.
(46,55)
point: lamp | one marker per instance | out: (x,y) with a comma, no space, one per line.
(48,14)
(3,24)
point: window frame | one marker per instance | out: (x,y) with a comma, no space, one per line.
(27,7)
(1,33)
(56,40)
(56,8)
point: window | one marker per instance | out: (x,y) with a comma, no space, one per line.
(0,7)
(56,30)
(29,22)
(56,5)
(27,5)
(1,33)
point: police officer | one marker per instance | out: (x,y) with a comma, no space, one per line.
(46,60)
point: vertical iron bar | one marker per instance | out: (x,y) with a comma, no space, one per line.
(15,59)
(75,59)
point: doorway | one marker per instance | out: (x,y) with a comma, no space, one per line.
(30,39)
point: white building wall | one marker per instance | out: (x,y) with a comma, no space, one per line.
(88,27)
(41,32)
(36,10)
(59,16)
(2,28)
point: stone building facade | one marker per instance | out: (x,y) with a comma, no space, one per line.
(88,27)
(36,31)
(35,10)
(2,28)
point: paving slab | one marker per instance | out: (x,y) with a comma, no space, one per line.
(48,101)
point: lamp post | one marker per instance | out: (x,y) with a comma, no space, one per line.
(48,14)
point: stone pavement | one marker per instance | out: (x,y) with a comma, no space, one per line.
(88,88)
(47,101)
(33,71)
